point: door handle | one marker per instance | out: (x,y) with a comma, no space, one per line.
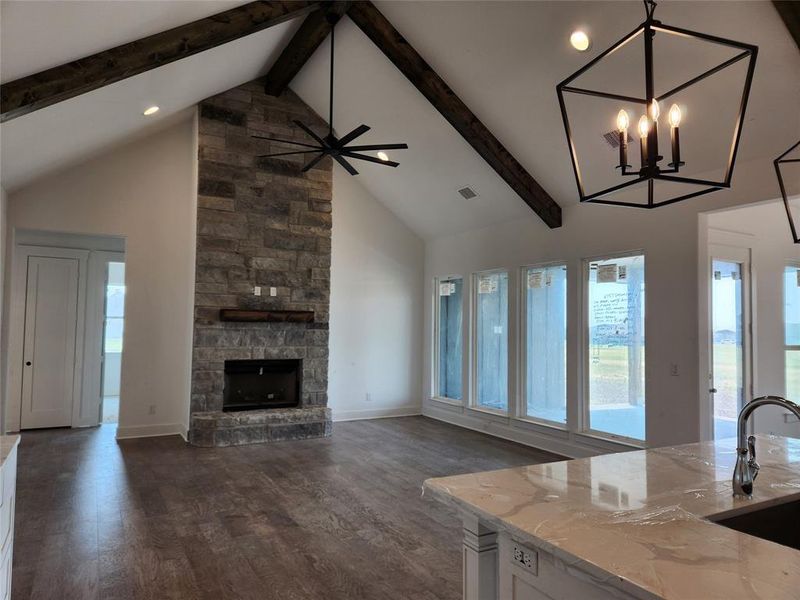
(713,390)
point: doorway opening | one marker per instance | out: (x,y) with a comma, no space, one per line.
(727,344)
(113,326)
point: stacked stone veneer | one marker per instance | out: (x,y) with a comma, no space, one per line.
(260,222)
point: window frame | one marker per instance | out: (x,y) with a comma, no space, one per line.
(789,264)
(472,403)
(520,413)
(434,392)
(583,427)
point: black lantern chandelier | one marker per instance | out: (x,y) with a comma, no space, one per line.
(652,180)
(330,145)
(792,204)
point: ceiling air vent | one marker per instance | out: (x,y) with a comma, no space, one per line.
(612,138)
(468,193)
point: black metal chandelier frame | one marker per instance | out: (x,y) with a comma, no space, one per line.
(650,170)
(781,160)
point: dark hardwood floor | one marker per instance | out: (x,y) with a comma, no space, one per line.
(339,518)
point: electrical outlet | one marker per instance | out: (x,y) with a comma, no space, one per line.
(369,397)
(273,291)
(257,290)
(152,409)
(673,369)
(525,558)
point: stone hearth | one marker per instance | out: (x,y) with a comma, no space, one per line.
(259,223)
(217,428)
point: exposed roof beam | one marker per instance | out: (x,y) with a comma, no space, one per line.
(427,81)
(27,94)
(789,10)
(308,38)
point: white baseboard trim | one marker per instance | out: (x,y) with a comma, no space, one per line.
(558,442)
(143,431)
(376,413)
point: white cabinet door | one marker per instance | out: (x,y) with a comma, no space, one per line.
(53,339)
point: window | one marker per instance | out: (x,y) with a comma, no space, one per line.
(791,319)
(545,348)
(615,296)
(491,340)
(449,296)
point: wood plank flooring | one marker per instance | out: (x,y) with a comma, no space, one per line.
(338,518)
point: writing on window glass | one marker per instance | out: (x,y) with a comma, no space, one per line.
(487,284)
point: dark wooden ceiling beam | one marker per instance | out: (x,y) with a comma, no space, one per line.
(397,49)
(790,13)
(306,40)
(43,89)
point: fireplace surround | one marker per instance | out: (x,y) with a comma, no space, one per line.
(262,276)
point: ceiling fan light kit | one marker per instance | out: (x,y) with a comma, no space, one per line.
(330,145)
(654,169)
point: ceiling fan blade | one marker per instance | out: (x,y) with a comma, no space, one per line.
(346,165)
(358,131)
(286,153)
(274,139)
(313,162)
(309,132)
(378,147)
(367,157)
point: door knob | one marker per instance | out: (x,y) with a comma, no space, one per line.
(28,363)
(713,390)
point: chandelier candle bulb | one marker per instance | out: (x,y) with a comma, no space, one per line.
(644,128)
(652,138)
(675,121)
(622,126)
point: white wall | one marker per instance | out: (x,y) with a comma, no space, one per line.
(3,355)
(376,308)
(765,231)
(145,192)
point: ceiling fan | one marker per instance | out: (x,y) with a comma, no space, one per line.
(330,145)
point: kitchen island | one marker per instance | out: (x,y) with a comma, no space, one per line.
(639,524)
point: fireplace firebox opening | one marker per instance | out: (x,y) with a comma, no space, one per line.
(260,384)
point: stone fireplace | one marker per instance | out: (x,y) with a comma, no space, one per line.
(262,276)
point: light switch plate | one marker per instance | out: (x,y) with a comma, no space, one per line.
(273,291)
(257,290)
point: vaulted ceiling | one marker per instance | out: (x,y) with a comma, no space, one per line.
(502,58)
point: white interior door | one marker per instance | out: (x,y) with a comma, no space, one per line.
(53,338)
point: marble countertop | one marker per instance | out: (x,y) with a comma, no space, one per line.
(7,444)
(639,520)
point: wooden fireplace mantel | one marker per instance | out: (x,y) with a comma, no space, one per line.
(266,316)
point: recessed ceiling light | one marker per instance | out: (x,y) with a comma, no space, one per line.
(579,40)
(383,156)
(151,110)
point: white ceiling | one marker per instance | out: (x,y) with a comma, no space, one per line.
(503,59)
(76,129)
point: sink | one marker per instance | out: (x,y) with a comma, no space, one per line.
(779,524)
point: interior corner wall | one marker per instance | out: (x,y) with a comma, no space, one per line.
(669,240)
(146,192)
(377,312)
(3,354)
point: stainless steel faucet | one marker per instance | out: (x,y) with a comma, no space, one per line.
(746,469)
